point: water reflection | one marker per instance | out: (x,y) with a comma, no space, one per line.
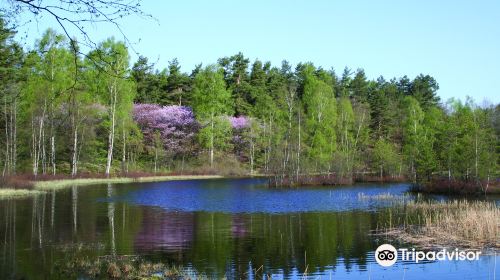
(250,196)
(111,219)
(164,231)
(96,221)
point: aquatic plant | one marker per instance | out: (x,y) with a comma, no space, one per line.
(450,223)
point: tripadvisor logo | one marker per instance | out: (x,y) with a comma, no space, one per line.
(386,255)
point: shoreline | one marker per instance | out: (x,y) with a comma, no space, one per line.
(40,187)
(64,183)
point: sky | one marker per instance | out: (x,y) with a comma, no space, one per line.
(457,42)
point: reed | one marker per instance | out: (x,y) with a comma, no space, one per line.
(452,223)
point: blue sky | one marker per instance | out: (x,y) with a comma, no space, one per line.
(457,42)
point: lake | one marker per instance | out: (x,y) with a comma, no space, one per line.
(234,228)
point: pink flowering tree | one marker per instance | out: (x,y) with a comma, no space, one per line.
(174,126)
(239,125)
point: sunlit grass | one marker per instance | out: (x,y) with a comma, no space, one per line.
(64,183)
(18,193)
(383,197)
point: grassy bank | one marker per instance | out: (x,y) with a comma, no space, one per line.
(18,193)
(26,188)
(456,223)
(64,183)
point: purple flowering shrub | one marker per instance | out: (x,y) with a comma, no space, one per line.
(239,123)
(240,127)
(176,125)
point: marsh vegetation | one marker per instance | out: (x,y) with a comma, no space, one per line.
(459,223)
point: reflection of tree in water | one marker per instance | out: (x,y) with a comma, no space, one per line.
(213,243)
(242,243)
(238,226)
(166,231)
(8,242)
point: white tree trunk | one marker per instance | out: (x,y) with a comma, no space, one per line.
(124,150)
(74,157)
(53,153)
(212,141)
(14,137)
(111,136)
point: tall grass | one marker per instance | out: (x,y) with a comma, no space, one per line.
(458,222)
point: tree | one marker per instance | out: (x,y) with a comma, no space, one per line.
(49,81)
(385,157)
(419,130)
(423,89)
(175,125)
(470,139)
(149,84)
(177,84)
(235,70)
(379,109)
(74,16)
(359,86)
(320,113)
(11,59)
(114,87)
(211,100)
(345,134)
(246,138)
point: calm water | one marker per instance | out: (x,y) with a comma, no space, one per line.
(229,227)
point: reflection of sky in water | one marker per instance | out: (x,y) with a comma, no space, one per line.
(250,196)
(485,268)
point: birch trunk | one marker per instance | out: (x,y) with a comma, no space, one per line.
(298,150)
(212,140)
(74,157)
(53,154)
(14,137)
(6,167)
(111,137)
(124,155)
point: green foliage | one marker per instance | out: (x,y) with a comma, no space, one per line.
(211,100)
(386,158)
(60,110)
(210,97)
(320,109)
(220,134)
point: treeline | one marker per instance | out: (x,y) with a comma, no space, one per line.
(93,113)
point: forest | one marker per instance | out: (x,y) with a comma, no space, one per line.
(64,112)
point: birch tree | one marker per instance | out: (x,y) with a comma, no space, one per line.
(211,100)
(321,114)
(11,58)
(114,88)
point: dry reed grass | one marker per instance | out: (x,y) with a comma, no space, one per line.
(451,223)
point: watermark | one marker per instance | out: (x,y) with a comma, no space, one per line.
(386,255)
